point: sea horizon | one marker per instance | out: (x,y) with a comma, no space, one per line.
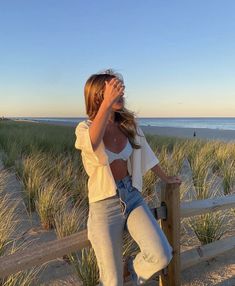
(219,123)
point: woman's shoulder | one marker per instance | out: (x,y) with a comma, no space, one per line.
(83,124)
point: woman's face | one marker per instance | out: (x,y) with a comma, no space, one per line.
(118,105)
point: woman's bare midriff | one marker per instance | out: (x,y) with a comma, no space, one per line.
(119,169)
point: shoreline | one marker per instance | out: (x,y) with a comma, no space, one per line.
(201,133)
(180,132)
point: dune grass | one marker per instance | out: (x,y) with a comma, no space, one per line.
(9,222)
(55,182)
(209,227)
(50,200)
(18,139)
(26,278)
(34,172)
(67,222)
(8,217)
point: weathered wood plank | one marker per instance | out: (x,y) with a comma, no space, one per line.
(204,206)
(41,253)
(194,256)
(44,252)
(170,196)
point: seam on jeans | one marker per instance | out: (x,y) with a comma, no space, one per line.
(124,205)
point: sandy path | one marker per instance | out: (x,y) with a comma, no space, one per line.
(219,271)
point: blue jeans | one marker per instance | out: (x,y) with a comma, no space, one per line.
(107,220)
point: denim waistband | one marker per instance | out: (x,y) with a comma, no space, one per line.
(124,181)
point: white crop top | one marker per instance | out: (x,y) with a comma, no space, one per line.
(124,154)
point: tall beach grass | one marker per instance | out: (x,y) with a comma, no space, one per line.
(55,183)
(9,221)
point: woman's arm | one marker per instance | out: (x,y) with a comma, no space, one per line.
(168,179)
(111,94)
(98,125)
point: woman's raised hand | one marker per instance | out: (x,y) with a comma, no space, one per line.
(114,89)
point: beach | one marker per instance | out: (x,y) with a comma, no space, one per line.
(201,133)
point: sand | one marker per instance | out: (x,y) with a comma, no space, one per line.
(201,133)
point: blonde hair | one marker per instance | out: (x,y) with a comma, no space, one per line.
(93,92)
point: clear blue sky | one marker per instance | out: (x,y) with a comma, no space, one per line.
(177,57)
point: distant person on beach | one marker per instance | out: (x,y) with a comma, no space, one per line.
(194,134)
(116,155)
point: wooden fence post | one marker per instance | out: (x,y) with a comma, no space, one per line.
(170,197)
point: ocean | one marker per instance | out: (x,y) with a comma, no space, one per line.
(219,123)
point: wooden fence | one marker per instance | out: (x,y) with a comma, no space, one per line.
(170,212)
(170,197)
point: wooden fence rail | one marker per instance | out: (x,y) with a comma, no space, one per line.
(41,253)
(170,213)
(202,253)
(193,208)
(44,252)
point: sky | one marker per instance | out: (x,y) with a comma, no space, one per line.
(177,57)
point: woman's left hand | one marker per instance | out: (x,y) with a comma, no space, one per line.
(173,180)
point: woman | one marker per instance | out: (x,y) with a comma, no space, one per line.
(116,155)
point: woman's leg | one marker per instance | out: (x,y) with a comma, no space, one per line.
(155,250)
(105,232)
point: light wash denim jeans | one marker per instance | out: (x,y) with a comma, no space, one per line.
(108,219)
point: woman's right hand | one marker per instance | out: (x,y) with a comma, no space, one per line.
(114,89)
